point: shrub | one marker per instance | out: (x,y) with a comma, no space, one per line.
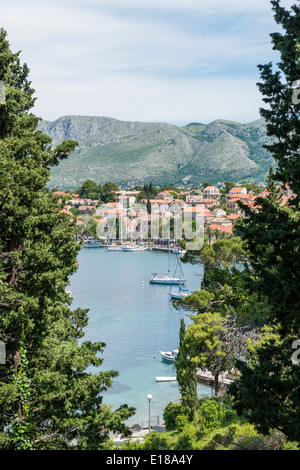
(170,415)
(186,441)
(212,415)
(156,441)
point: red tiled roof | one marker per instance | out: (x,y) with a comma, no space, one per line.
(222,228)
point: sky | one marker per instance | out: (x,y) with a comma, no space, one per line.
(175,61)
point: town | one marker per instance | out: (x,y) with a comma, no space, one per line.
(217,209)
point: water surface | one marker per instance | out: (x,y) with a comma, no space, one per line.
(135,320)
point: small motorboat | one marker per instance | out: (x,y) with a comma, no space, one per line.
(169,356)
(91,243)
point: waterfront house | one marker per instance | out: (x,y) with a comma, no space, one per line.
(218,212)
(233,204)
(224,221)
(211,192)
(164,195)
(237,191)
(209,202)
(222,228)
(233,217)
(176,205)
(157,204)
(194,212)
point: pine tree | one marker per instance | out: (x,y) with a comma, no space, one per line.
(268,391)
(281,93)
(47,397)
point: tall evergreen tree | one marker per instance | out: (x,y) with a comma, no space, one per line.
(268,391)
(186,376)
(47,396)
(280,90)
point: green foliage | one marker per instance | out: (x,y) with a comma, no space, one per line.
(186,376)
(187,440)
(213,415)
(228,185)
(90,190)
(109,188)
(151,152)
(22,429)
(291,446)
(50,398)
(282,113)
(171,412)
(268,390)
(156,441)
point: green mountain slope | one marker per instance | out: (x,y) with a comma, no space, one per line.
(131,153)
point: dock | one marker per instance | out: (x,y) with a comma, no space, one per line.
(206,378)
(165,379)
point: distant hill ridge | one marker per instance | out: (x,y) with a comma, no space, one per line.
(131,153)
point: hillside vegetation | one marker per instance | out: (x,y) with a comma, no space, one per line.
(132,153)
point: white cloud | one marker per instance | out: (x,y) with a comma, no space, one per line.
(205,7)
(136,59)
(143,99)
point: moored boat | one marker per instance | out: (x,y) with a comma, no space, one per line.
(91,243)
(179,295)
(114,248)
(165,379)
(134,248)
(169,356)
(165,279)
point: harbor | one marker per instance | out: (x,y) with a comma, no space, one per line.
(128,245)
(136,320)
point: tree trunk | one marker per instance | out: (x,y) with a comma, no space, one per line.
(216,377)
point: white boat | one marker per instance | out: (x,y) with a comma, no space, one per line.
(91,243)
(165,279)
(180,295)
(114,248)
(169,356)
(134,248)
(165,379)
(179,251)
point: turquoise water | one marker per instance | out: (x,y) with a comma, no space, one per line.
(136,320)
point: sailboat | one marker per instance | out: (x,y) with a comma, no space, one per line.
(157,278)
(134,248)
(114,248)
(179,295)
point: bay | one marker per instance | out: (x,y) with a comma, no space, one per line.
(136,320)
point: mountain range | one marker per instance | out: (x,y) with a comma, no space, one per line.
(132,153)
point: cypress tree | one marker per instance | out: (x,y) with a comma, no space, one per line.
(47,396)
(186,376)
(268,391)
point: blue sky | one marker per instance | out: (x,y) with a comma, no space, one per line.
(144,60)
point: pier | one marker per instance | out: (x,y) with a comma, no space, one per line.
(206,378)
